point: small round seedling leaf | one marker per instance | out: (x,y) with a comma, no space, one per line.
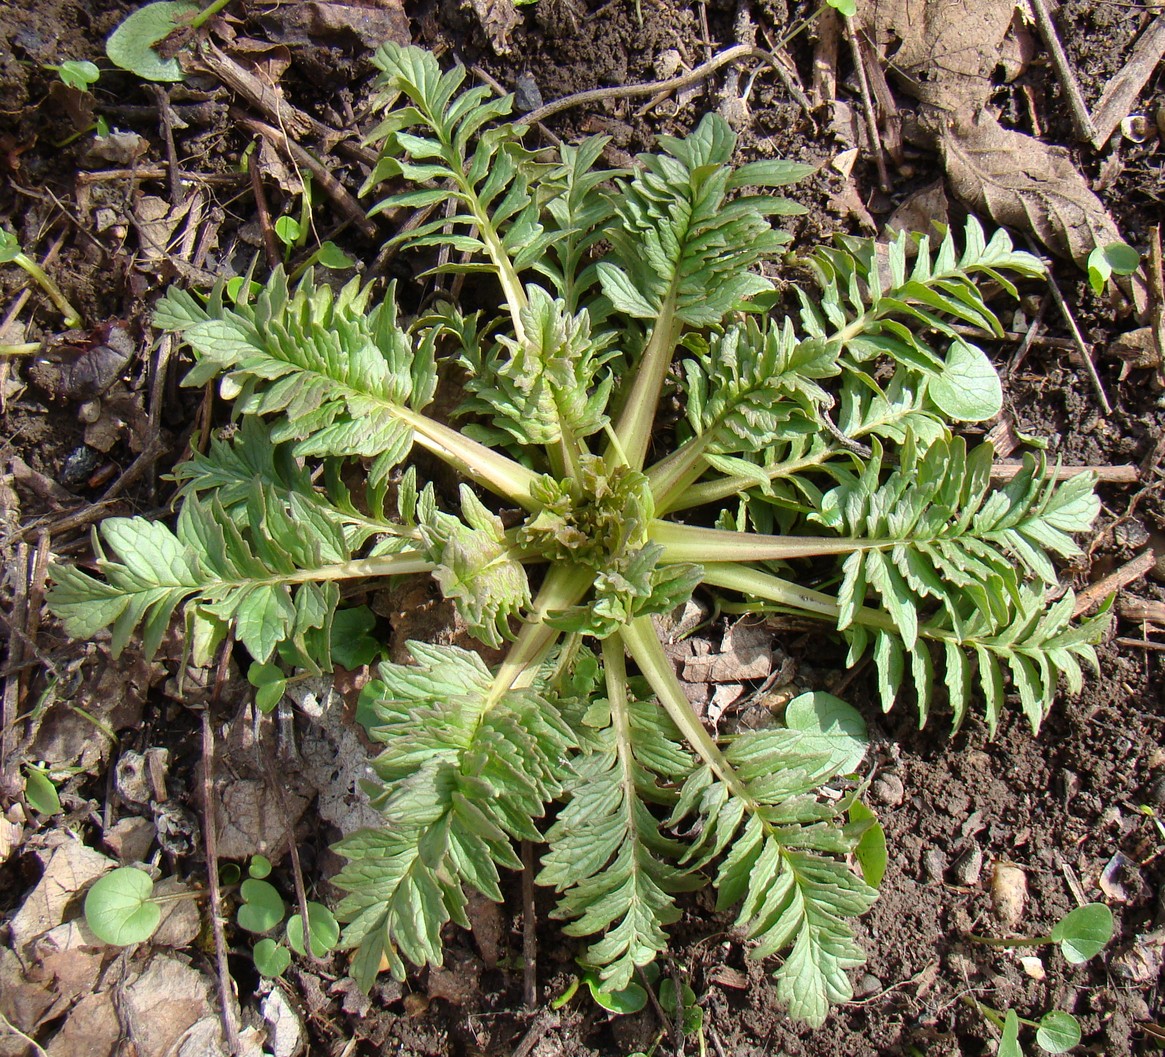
(119,909)
(288,230)
(131,45)
(9,246)
(631,999)
(262,907)
(331,256)
(271,958)
(1121,258)
(270,682)
(229,874)
(1084,933)
(76,73)
(240,289)
(260,867)
(40,792)
(693,1015)
(870,852)
(968,387)
(353,644)
(1058,1031)
(849,8)
(324,929)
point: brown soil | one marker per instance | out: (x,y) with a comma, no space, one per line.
(1060,805)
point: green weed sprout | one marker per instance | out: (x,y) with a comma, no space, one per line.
(641,421)
(10,252)
(1081,934)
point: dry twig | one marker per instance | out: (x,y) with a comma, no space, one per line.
(1157,297)
(1120,94)
(529,930)
(738,53)
(1096,593)
(344,202)
(210,838)
(1085,129)
(868,107)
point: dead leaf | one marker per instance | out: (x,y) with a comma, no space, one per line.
(23,1002)
(485,922)
(745,653)
(91,1029)
(921,210)
(947,50)
(369,24)
(1140,961)
(113,696)
(130,839)
(181,921)
(498,18)
(84,364)
(69,867)
(163,1002)
(251,821)
(459,983)
(285,1035)
(1135,349)
(1122,882)
(1023,183)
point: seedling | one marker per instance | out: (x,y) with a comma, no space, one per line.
(121,908)
(1081,934)
(10,252)
(39,790)
(293,234)
(1117,258)
(1056,1031)
(77,73)
(132,46)
(632,380)
(262,911)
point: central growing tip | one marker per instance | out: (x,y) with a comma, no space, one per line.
(593,518)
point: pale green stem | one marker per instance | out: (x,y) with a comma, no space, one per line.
(642,643)
(721,488)
(638,414)
(207,13)
(563,587)
(693,543)
(671,476)
(804,600)
(507,275)
(360,568)
(763,585)
(497,472)
(72,316)
(615,674)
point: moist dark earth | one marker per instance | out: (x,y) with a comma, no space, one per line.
(1060,805)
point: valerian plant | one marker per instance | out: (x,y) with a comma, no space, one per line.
(639,421)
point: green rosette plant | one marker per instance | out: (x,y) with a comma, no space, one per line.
(639,422)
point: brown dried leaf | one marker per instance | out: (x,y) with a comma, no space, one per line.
(948,49)
(498,18)
(1023,183)
(69,868)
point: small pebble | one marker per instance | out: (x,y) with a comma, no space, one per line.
(934,865)
(868,985)
(968,868)
(1008,893)
(527,95)
(888,789)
